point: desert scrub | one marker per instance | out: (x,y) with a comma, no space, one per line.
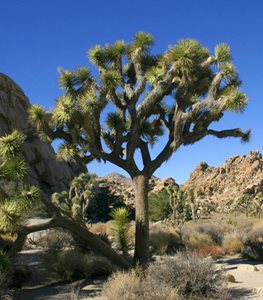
(232,243)
(133,286)
(56,241)
(183,276)
(71,264)
(210,250)
(5,276)
(253,243)
(164,240)
(194,277)
(214,231)
(195,240)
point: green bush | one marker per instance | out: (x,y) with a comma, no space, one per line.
(159,207)
(101,205)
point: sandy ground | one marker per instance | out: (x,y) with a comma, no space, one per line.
(248,276)
(43,285)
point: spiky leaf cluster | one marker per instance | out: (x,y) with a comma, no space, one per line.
(124,108)
(73,204)
(15,195)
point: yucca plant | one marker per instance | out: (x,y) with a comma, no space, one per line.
(121,228)
(140,97)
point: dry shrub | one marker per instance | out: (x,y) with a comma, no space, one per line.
(194,277)
(232,243)
(196,240)
(72,264)
(104,229)
(210,250)
(5,280)
(164,241)
(133,286)
(56,241)
(253,244)
(183,276)
(214,231)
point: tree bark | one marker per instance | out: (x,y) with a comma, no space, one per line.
(141,254)
(84,235)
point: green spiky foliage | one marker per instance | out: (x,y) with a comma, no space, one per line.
(16,196)
(138,97)
(4,260)
(74,203)
(159,206)
(121,228)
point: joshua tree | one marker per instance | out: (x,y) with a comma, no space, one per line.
(177,95)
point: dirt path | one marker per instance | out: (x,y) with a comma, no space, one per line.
(44,285)
(248,276)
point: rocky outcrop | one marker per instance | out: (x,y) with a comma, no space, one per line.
(44,170)
(121,186)
(237,176)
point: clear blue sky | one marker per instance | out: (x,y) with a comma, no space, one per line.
(36,37)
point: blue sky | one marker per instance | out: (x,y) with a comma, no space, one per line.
(36,37)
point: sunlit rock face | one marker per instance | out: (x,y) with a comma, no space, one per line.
(44,170)
(237,176)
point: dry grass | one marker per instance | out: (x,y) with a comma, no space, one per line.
(133,286)
(56,241)
(194,277)
(72,264)
(183,276)
(195,240)
(164,240)
(253,243)
(232,243)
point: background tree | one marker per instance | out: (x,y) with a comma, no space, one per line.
(178,95)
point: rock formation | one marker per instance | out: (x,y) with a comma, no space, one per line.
(237,176)
(45,171)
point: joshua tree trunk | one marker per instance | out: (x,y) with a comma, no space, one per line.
(141,254)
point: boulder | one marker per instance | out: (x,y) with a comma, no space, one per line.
(44,170)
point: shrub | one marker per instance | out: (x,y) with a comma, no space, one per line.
(159,206)
(194,277)
(56,241)
(5,279)
(164,240)
(253,244)
(101,205)
(183,276)
(132,286)
(196,240)
(214,231)
(72,264)
(232,243)
(210,250)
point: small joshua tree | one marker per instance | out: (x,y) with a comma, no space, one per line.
(121,228)
(177,94)
(75,202)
